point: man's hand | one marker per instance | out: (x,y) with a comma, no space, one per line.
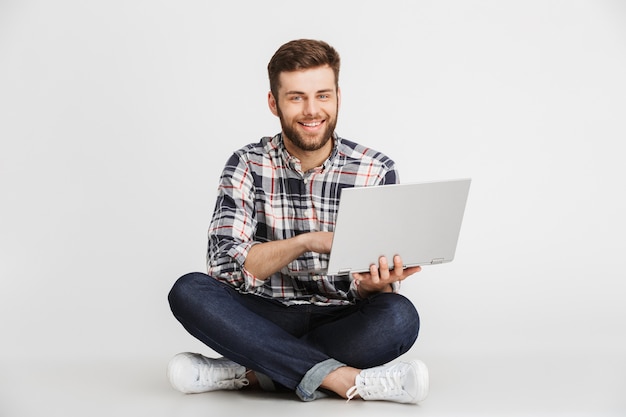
(379,278)
(319,242)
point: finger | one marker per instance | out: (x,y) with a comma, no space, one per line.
(412,270)
(374,274)
(398,266)
(383,268)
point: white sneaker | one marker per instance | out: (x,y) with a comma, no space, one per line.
(401,382)
(193,373)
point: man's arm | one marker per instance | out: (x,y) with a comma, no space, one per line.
(265,259)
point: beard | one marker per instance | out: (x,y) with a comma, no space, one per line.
(307,142)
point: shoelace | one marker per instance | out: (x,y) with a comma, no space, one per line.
(379,382)
(208,378)
(351,393)
(236,383)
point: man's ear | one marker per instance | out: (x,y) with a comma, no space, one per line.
(271,102)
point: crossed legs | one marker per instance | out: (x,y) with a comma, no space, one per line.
(301,347)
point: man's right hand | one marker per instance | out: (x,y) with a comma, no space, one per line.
(319,242)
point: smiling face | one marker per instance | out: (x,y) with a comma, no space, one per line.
(307,106)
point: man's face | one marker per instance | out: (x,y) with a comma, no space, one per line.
(307,105)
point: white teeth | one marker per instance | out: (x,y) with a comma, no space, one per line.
(312,124)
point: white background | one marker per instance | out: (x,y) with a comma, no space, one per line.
(116,119)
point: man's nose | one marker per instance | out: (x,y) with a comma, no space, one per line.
(311,107)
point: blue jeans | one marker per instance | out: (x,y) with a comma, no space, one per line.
(295,346)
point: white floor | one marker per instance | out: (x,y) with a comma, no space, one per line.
(518,385)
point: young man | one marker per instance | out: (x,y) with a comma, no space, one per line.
(278,324)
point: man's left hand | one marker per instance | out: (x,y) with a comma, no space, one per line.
(381,276)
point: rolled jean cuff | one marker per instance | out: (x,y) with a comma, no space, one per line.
(307,390)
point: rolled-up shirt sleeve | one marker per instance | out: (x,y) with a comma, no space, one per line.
(232,228)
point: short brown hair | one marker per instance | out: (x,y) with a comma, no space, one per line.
(301,54)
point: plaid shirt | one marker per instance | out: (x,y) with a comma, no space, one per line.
(264,196)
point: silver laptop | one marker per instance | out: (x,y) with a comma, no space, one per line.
(418,221)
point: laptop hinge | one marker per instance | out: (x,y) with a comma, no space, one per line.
(344,271)
(436,261)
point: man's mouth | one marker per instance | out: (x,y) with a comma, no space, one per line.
(311,124)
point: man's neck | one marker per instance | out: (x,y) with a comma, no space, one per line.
(310,159)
